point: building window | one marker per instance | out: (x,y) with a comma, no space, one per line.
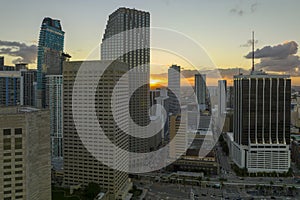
(19,184)
(18,143)
(6,144)
(18,131)
(6,131)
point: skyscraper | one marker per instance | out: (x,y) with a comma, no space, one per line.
(55,97)
(174,89)
(50,49)
(25,154)
(222,93)
(200,90)
(87,154)
(28,79)
(262,122)
(10,88)
(127,39)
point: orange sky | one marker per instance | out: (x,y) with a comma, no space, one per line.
(157,82)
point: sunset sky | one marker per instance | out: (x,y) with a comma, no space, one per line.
(195,34)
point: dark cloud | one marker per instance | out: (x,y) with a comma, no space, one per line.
(280,51)
(278,58)
(24,53)
(279,65)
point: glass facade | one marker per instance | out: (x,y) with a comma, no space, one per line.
(262,109)
(50,48)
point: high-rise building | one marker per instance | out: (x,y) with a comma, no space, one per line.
(174,89)
(154,94)
(200,90)
(1,61)
(81,164)
(55,97)
(164,116)
(262,114)
(230,96)
(17,87)
(127,38)
(54,100)
(25,154)
(28,79)
(222,92)
(10,88)
(50,50)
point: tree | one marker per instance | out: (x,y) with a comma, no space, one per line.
(91,191)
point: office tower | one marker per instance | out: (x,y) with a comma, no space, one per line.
(28,80)
(10,86)
(222,92)
(154,94)
(1,61)
(162,112)
(230,96)
(262,114)
(84,162)
(178,146)
(55,97)
(54,101)
(174,89)
(127,38)
(50,49)
(200,90)
(25,154)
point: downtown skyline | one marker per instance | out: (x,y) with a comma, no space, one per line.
(221,28)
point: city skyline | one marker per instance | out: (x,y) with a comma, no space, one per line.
(225,52)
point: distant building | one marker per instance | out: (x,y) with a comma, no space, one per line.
(154,94)
(222,96)
(162,99)
(54,89)
(296,152)
(178,146)
(230,96)
(28,97)
(262,112)
(1,61)
(50,50)
(174,89)
(10,88)
(25,154)
(201,91)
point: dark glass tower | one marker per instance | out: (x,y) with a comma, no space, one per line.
(50,49)
(262,109)
(127,38)
(262,122)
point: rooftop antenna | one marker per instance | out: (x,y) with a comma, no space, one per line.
(253,43)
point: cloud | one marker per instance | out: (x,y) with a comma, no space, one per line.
(279,51)
(253,7)
(279,65)
(249,43)
(278,58)
(238,11)
(24,53)
(241,10)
